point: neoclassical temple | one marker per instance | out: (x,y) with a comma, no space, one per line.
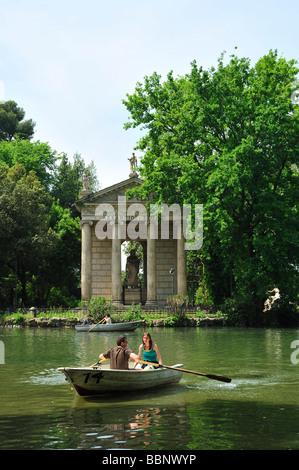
(107,217)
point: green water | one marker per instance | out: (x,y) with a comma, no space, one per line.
(259,409)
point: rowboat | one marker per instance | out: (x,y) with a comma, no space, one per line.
(126,326)
(97,380)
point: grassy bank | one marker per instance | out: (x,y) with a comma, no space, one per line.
(62,317)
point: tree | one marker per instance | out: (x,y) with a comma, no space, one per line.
(40,234)
(33,156)
(63,270)
(67,183)
(24,230)
(42,243)
(12,122)
(228,138)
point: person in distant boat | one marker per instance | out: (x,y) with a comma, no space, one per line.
(88,320)
(120,355)
(108,319)
(149,350)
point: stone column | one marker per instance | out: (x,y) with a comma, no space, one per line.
(181,266)
(86,259)
(151,270)
(116,267)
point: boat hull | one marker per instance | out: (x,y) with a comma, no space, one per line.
(128,326)
(96,381)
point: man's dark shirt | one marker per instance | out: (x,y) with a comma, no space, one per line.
(119,357)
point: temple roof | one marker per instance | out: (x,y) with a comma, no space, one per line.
(109,194)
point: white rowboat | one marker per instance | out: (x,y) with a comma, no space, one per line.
(127,326)
(96,381)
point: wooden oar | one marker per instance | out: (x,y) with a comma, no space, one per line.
(103,319)
(209,376)
(98,362)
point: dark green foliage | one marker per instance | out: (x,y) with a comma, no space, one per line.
(40,236)
(12,124)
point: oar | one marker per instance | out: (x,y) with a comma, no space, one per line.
(98,362)
(209,376)
(103,319)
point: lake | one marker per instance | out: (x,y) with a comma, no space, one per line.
(259,409)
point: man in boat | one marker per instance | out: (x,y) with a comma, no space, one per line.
(120,355)
(108,319)
(88,320)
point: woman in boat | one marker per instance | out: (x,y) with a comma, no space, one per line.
(149,350)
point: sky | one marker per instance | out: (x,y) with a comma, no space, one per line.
(69,63)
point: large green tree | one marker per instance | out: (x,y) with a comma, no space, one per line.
(228,138)
(40,259)
(33,156)
(40,236)
(25,236)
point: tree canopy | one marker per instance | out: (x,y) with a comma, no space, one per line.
(227,138)
(67,180)
(12,123)
(33,156)
(24,231)
(40,233)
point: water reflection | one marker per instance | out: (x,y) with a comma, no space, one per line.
(147,418)
(208,425)
(126,428)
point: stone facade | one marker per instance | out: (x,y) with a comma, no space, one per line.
(101,258)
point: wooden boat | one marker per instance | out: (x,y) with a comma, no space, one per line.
(97,380)
(126,326)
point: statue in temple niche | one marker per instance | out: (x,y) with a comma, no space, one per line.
(132,270)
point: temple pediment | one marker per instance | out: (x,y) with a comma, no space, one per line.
(110,194)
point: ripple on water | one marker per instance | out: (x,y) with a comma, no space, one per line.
(46,377)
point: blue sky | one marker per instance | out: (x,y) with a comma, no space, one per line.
(69,63)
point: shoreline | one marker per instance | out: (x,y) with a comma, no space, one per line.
(56,322)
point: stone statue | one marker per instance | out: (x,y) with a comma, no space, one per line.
(133,163)
(86,182)
(271,299)
(132,270)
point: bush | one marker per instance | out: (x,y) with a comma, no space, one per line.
(18,319)
(172,320)
(178,305)
(99,307)
(132,313)
(233,312)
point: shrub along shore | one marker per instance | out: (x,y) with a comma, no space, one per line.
(174,314)
(54,322)
(71,318)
